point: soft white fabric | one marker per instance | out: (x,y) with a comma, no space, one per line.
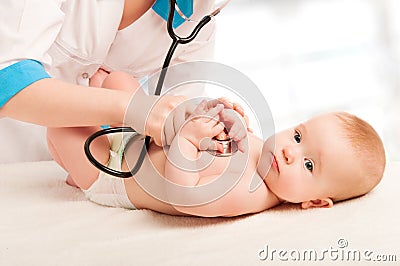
(24,33)
(22,142)
(73,38)
(109,190)
(45,222)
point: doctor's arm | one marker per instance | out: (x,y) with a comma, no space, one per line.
(54,103)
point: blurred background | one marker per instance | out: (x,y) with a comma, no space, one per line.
(313,56)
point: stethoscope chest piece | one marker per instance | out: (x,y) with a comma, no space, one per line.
(229,146)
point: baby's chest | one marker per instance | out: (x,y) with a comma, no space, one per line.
(238,168)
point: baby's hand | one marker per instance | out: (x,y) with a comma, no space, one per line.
(236,125)
(232,105)
(202,126)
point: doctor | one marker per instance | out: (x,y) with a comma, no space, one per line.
(53,52)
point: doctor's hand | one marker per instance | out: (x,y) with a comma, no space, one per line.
(157,123)
(149,114)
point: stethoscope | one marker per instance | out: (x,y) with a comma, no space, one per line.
(229,147)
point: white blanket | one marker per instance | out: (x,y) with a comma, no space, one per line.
(45,222)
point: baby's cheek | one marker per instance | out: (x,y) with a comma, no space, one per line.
(290,190)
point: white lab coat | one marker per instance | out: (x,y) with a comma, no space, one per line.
(73,38)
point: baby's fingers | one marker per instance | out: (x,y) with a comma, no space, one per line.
(238,108)
(224,101)
(213,113)
(211,145)
(217,129)
(200,109)
(238,132)
(242,145)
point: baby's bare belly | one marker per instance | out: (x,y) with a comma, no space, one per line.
(138,196)
(144,200)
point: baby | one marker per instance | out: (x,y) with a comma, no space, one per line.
(329,158)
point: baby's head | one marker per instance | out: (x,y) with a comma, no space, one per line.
(329,158)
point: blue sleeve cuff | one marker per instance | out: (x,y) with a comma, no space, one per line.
(18,76)
(161,7)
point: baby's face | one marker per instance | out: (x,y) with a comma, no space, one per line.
(310,161)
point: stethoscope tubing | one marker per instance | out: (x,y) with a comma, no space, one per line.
(176,40)
(99,165)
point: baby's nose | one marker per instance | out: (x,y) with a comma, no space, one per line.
(289,154)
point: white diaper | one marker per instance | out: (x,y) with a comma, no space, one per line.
(109,190)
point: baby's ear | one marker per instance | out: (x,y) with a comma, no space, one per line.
(318,203)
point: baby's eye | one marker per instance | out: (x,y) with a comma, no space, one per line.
(297,136)
(309,165)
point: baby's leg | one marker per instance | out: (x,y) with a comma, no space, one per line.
(57,158)
(66,144)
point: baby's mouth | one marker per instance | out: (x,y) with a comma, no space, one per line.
(275,164)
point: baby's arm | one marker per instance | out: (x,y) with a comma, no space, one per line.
(195,135)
